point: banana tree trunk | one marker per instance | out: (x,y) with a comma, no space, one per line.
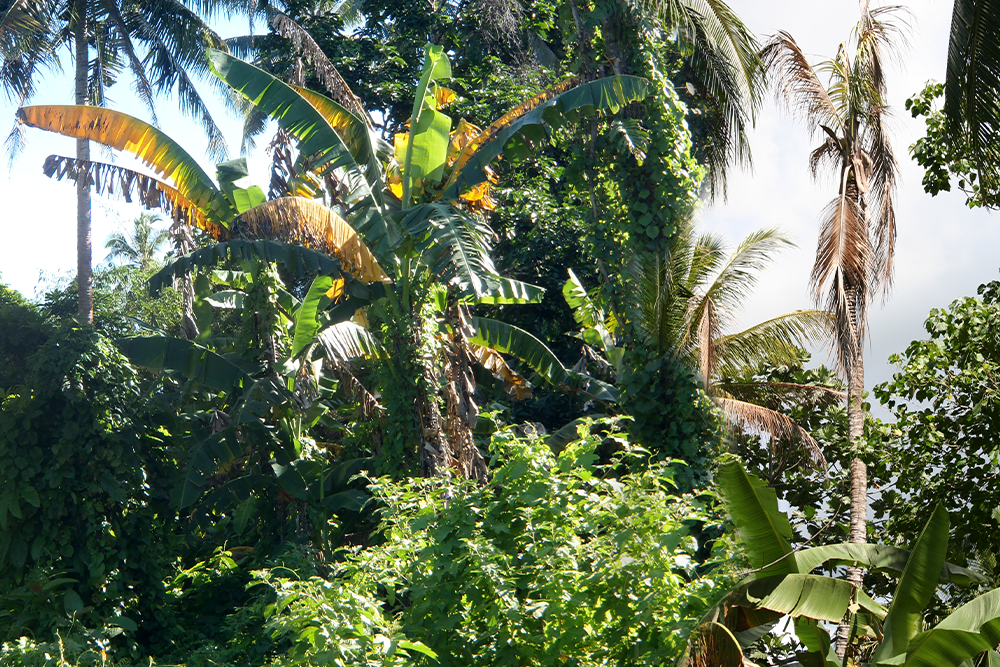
(83,243)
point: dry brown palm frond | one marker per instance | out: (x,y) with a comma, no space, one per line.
(781,429)
(131,185)
(367,403)
(325,71)
(841,273)
(880,39)
(885,171)
(798,85)
(310,223)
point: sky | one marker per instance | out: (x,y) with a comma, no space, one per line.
(944,250)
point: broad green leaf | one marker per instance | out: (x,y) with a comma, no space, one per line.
(454,244)
(203,461)
(194,362)
(810,595)
(585,311)
(225,299)
(504,291)
(296,260)
(764,531)
(307,323)
(608,94)
(246,198)
(816,639)
(877,558)
(508,339)
(426,148)
(917,586)
(970,630)
(72,603)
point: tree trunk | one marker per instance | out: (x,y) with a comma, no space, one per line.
(83,246)
(859,482)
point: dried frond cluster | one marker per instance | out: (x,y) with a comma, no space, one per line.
(854,258)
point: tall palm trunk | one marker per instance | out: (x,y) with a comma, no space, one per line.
(858,533)
(83,243)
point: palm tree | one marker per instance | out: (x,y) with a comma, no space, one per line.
(162,42)
(687,303)
(141,247)
(854,256)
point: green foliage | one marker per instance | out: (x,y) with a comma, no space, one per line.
(82,511)
(23,330)
(554,557)
(942,446)
(673,417)
(947,157)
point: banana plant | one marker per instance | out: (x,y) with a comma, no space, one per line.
(782,584)
(421,218)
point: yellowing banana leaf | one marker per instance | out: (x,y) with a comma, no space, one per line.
(123,132)
(309,223)
(491,360)
(607,94)
(315,138)
(354,131)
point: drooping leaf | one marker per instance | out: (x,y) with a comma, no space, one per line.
(607,94)
(203,461)
(298,261)
(123,132)
(816,639)
(308,222)
(346,340)
(970,630)
(508,339)
(764,531)
(194,362)
(917,585)
(505,291)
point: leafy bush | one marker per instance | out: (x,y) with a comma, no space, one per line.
(554,559)
(81,507)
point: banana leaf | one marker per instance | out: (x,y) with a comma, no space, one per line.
(126,133)
(508,339)
(427,140)
(307,321)
(315,138)
(972,629)
(917,586)
(764,531)
(607,94)
(297,260)
(194,362)
(505,291)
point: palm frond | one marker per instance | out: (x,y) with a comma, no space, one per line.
(973,77)
(840,274)
(737,278)
(774,341)
(658,309)
(880,39)
(779,395)
(325,71)
(798,84)
(724,55)
(884,173)
(782,429)
(310,223)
